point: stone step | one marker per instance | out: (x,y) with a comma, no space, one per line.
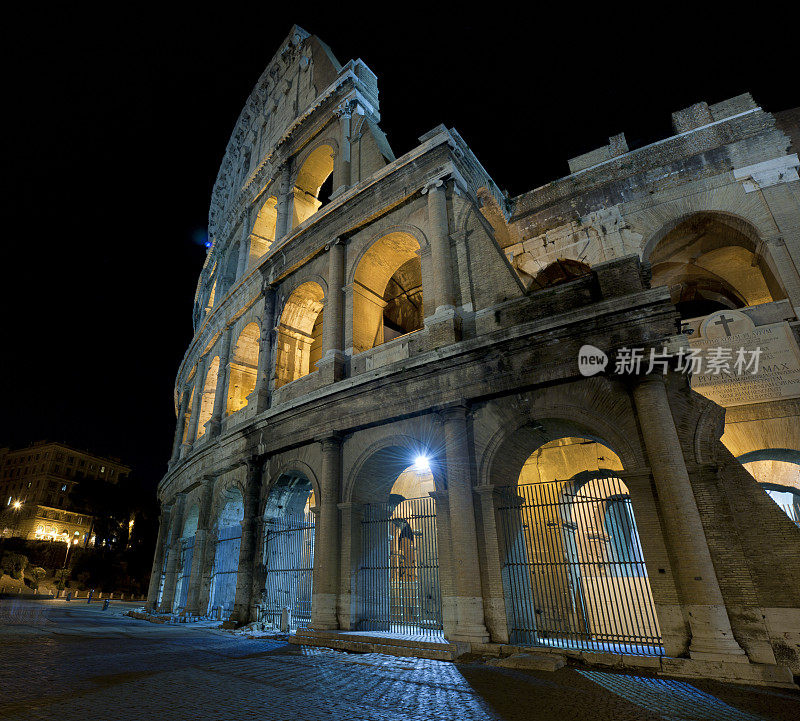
(373,644)
(414,642)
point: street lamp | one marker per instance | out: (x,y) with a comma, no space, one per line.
(16,506)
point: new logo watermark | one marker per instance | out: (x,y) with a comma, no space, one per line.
(695,361)
(591,360)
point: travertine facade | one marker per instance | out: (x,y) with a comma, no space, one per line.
(421,315)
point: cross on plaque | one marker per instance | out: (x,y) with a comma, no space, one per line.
(723,321)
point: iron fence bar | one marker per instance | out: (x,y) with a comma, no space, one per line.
(585,574)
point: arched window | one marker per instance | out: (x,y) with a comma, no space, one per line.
(243,368)
(387,293)
(207,399)
(710,265)
(299,341)
(309,193)
(263,234)
(560,271)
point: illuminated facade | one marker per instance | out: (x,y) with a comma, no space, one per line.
(36,484)
(382,425)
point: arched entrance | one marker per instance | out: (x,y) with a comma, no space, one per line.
(397,581)
(777,471)
(288,552)
(186,554)
(300,334)
(710,263)
(222,593)
(573,569)
(387,291)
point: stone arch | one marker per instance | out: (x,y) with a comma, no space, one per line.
(315,167)
(262,235)
(207,398)
(711,261)
(405,228)
(292,468)
(561,270)
(378,467)
(299,336)
(550,415)
(243,367)
(231,487)
(227,539)
(387,290)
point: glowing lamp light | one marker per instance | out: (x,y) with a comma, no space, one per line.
(422,464)
(17,505)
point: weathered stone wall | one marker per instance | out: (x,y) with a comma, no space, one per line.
(492,375)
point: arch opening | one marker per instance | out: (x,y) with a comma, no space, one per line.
(228,543)
(387,291)
(572,562)
(288,553)
(397,584)
(561,270)
(777,471)
(299,339)
(207,399)
(243,368)
(262,236)
(185,557)
(310,191)
(710,265)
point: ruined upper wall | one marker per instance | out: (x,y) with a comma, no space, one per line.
(295,79)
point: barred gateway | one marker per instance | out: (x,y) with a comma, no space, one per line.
(383,428)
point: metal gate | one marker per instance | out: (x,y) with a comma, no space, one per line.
(398,578)
(573,571)
(184,574)
(225,572)
(289,562)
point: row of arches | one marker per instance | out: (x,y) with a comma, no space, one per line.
(242,372)
(709,261)
(387,303)
(571,556)
(311,189)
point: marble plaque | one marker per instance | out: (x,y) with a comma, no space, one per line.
(778,375)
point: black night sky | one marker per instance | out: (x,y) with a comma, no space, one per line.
(121,120)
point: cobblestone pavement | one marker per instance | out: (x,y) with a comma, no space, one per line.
(74,661)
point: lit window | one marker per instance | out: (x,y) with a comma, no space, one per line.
(63,488)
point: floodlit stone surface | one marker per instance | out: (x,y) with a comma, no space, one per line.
(75,661)
(405,306)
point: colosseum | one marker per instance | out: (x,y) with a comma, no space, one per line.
(420,416)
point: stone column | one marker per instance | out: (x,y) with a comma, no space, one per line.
(350,534)
(214,425)
(197,400)
(470,625)
(260,395)
(173,555)
(333,362)
(495,609)
(326,538)
(342,171)
(181,425)
(712,637)
(158,560)
(244,249)
(283,223)
(440,246)
(244,575)
(199,554)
